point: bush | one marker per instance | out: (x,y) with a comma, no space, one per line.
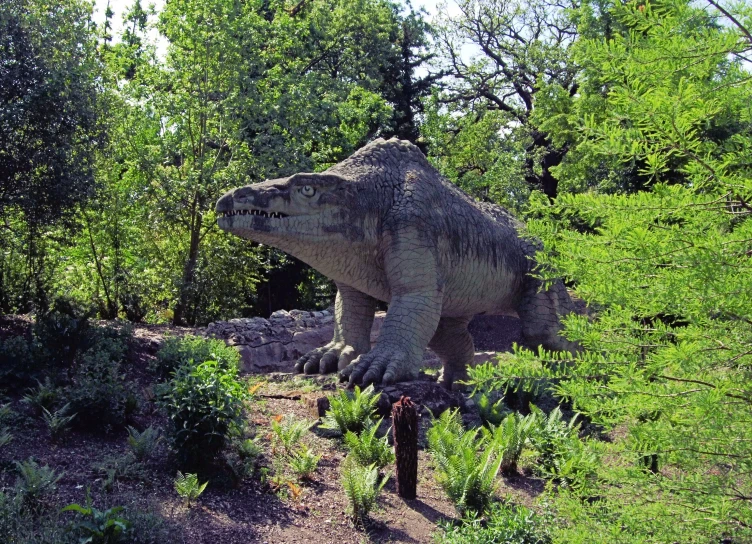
(367,449)
(98,393)
(362,488)
(58,422)
(62,332)
(562,456)
(205,405)
(491,414)
(17,365)
(351,412)
(194,350)
(466,464)
(504,523)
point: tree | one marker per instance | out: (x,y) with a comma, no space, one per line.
(49,129)
(665,270)
(499,54)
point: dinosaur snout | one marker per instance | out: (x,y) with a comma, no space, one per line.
(225,203)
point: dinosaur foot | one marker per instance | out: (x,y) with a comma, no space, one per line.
(384,365)
(331,357)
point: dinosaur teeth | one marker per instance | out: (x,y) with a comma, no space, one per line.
(274,215)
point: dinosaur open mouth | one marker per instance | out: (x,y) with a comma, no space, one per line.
(262,213)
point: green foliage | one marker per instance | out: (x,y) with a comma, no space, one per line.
(58,423)
(243,458)
(362,488)
(5,437)
(205,405)
(99,526)
(42,397)
(505,523)
(144,443)
(193,350)
(466,462)
(188,488)
(491,414)
(303,462)
(34,483)
(98,393)
(16,361)
(510,436)
(368,449)
(288,432)
(351,411)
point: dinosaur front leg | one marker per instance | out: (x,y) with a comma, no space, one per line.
(353,317)
(412,318)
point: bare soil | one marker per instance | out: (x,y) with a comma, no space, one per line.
(230,512)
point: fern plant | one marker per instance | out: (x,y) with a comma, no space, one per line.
(188,488)
(362,487)
(143,443)
(491,414)
(466,464)
(304,462)
(42,397)
(35,482)
(510,437)
(351,412)
(368,449)
(288,433)
(57,422)
(5,437)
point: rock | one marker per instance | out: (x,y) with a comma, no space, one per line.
(274,344)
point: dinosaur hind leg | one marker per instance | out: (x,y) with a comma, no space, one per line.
(541,313)
(454,346)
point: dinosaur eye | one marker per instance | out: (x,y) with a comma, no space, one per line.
(307,190)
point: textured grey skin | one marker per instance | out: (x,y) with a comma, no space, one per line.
(384,225)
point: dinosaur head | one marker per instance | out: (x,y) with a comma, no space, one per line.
(286,212)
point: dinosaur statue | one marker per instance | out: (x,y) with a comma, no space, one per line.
(384,225)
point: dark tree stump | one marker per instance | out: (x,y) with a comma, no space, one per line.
(405,432)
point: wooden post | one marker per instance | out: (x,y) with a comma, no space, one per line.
(405,433)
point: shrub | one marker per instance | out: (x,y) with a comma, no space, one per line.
(351,412)
(205,405)
(143,443)
(510,437)
(562,455)
(61,333)
(304,462)
(466,464)
(188,488)
(194,350)
(362,488)
(99,526)
(16,361)
(504,523)
(98,392)
(243,458)
(367,449)
(34,483)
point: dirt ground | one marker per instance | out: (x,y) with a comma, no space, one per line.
(227,512)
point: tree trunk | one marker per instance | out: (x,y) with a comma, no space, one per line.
(405,432)
(189,272)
